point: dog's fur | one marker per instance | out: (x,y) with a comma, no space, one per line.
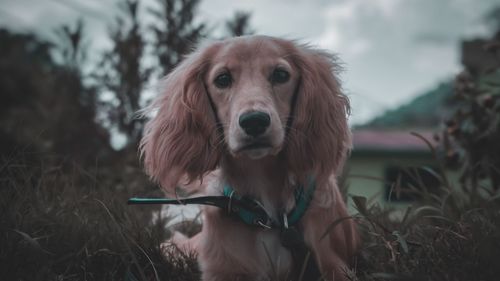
(183,142)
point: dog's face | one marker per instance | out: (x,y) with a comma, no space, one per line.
(251,84)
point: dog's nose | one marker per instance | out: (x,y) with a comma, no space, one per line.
(254,123)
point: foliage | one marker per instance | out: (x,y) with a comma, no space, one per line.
(454,233)
(45,106)
(122,74)
(72,49)
(175,32)
(472,133)
(239,25)
(453,237)
(60,225)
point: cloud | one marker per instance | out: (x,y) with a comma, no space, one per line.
(387,7)
(391,49)
(335,17)
(350,25)
(431,59)
(395,49)
(284,18)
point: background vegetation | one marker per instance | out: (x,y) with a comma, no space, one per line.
(63,185)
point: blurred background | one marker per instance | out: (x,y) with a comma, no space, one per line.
(419,40)
(422,77)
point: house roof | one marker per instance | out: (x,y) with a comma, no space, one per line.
(391,141)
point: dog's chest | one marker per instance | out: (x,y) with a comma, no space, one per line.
(241,248)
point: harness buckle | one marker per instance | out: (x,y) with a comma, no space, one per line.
(229,205)
(260,223)
(285,220)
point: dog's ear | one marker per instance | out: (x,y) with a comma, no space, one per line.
(179,140)
(319,138)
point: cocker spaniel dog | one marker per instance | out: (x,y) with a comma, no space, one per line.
(263,122)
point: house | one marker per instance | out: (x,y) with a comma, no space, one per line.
(386,154)
(381,160)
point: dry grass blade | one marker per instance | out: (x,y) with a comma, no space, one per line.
(304,266)
(32,242)
(435,156)
(124,239)
(406,216)
(392,276)
(270,260)
(401,240)
(332,225)
(157,277)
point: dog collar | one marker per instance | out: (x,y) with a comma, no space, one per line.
(261,217)
(250,211)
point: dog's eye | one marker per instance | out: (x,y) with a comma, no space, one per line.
(224,80)
(280,76)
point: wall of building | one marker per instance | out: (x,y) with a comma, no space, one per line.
(366,173)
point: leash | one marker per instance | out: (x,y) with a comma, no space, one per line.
(248,210)
(244,205)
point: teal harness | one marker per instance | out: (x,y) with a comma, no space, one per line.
(248,210)
(303,197)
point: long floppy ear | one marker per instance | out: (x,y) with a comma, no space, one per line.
(178,141)
(320,138)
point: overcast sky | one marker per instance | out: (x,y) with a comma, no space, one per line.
(392,50)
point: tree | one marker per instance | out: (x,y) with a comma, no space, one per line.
(71,47)
(77,109)
(45,106)
(121,74)
(472,135)
(175,32)
(239,25)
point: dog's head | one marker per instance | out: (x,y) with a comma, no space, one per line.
(249,98)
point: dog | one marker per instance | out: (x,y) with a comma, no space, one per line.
(266,117)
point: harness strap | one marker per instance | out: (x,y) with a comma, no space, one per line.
(303,197)
(250,211)
(257,214)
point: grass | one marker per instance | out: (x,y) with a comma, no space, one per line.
(60,222)
(67,224)
(430,243)
(451,234)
